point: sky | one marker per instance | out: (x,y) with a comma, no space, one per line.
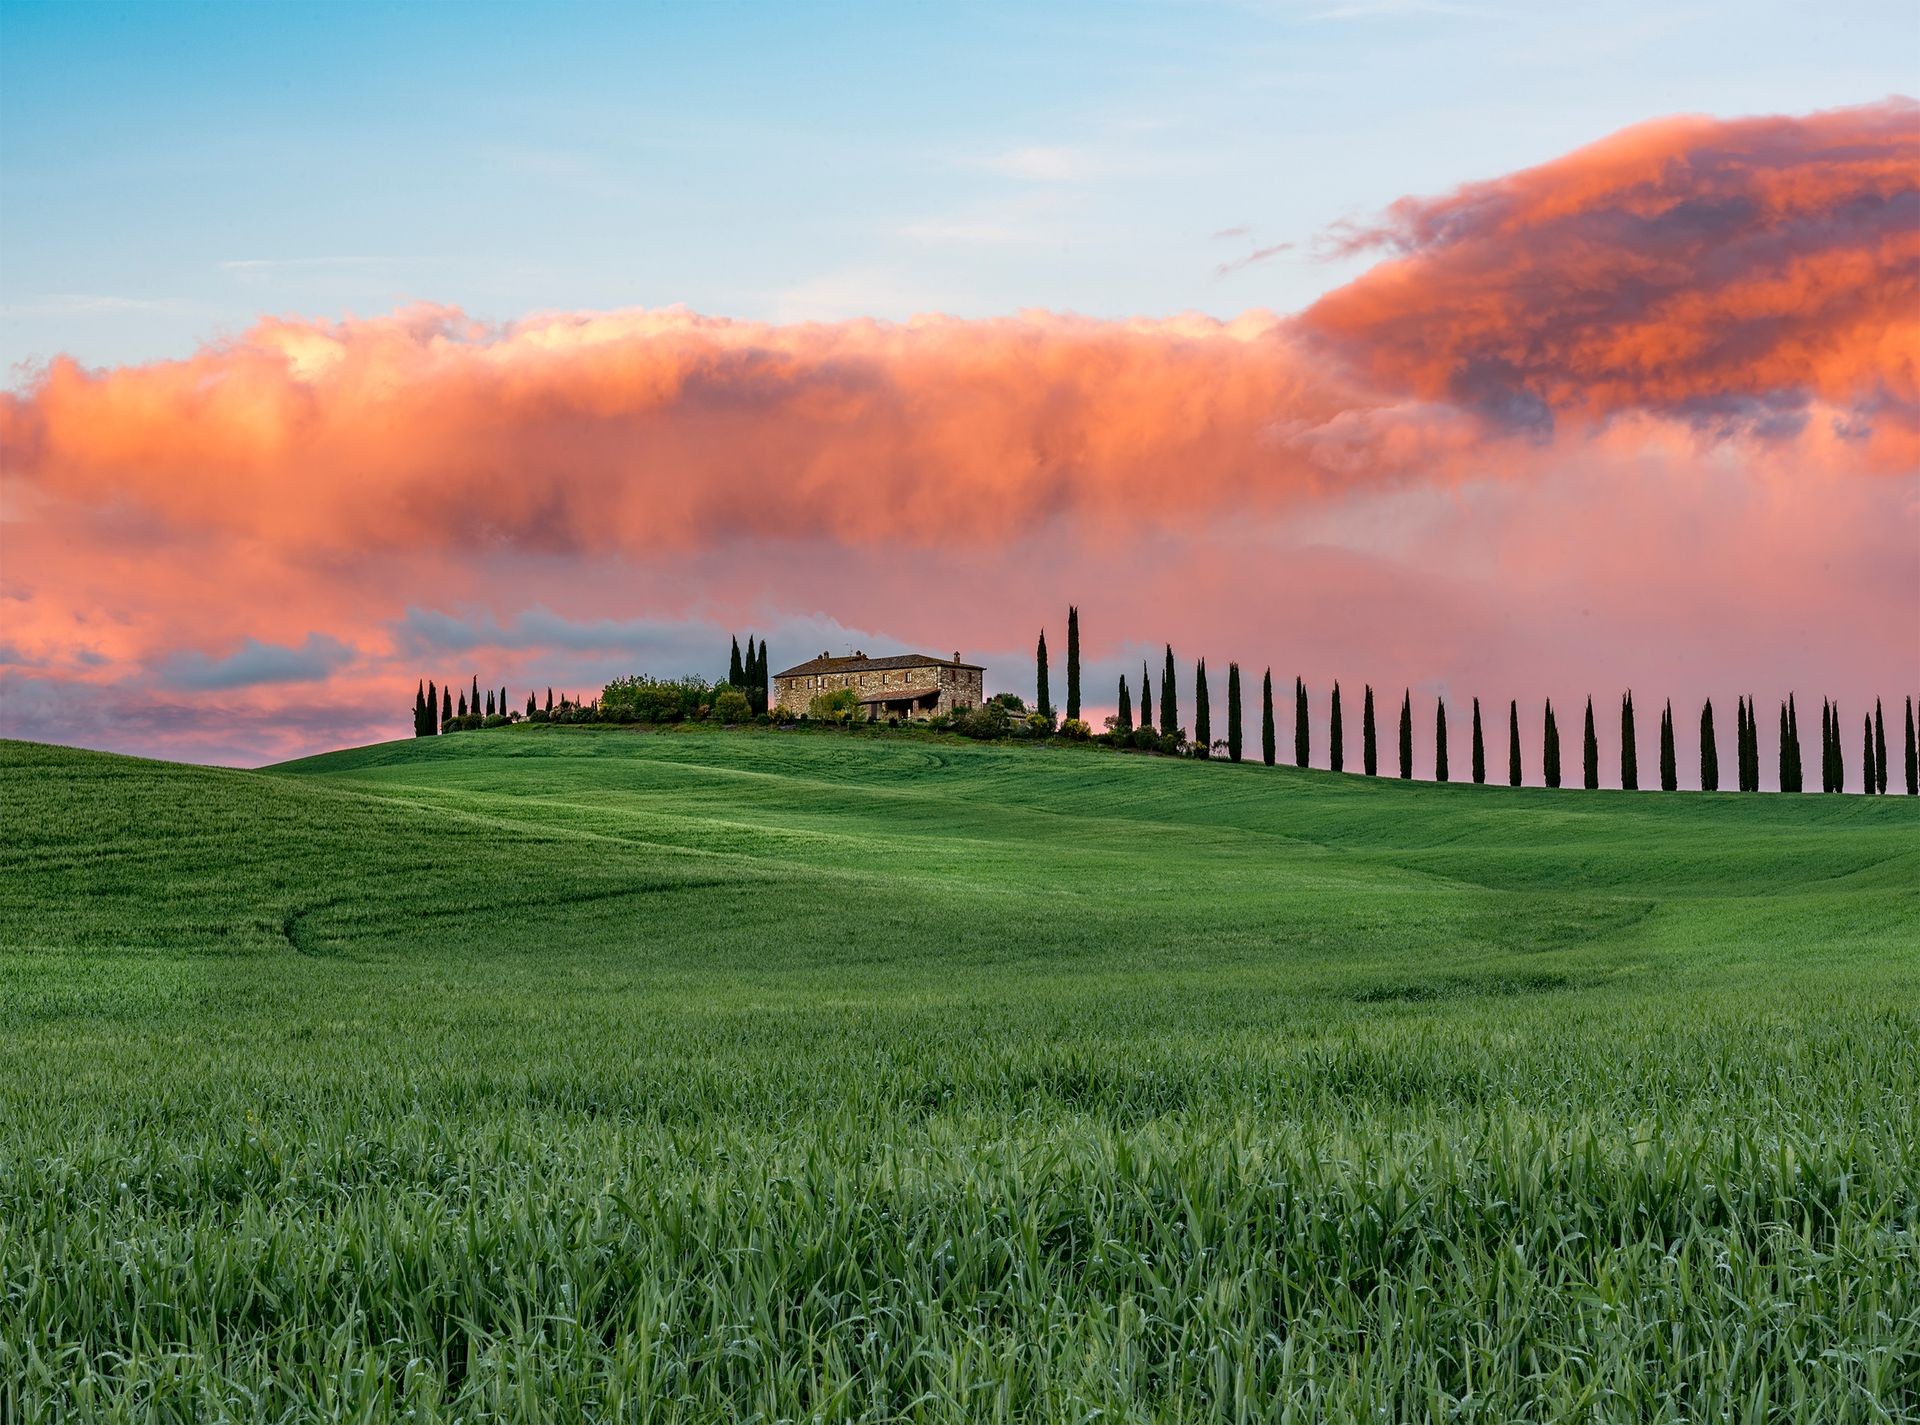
(1489,351)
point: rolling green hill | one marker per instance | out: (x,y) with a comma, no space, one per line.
(562,1073)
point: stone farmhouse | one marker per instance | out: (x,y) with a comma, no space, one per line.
(902,685)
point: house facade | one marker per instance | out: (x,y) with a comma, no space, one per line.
(902,685)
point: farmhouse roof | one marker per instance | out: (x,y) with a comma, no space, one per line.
(860,663)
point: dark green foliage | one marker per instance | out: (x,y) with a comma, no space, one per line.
(1839,753)
(1479,749)
(1590,753)
(1269,749)
(1629,746)
(736,670)
(1669,755)
(655,700)
(1369,743)
(549,702)
(1336,734)
(1550,749)
(1913,754)
(1709,750)
(1123,718)
(1749,747)
(1826,746)
(420,710)
(1867,765)
(463,705)
(1233,712)
(502,704)
(1439,739)
(1786,751)
(1202,712)
(489,702)
(1169,699)
(1042,700)
(1513,742)
(1073,662)
(532,706)
(473,703)
(1879,750)
(1302,736)
(1406,736)
(433,708)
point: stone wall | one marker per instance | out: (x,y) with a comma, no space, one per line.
(960,687)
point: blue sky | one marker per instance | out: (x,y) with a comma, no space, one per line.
(167,173)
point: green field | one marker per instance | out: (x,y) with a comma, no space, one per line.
(561,1074)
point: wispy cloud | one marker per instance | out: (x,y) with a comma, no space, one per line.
(1259,254)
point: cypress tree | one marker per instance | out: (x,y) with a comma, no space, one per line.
(1202,711)
(1369,746)
(1513,742)
(1233,712)
(473,703)
(489,702)
(446,708)
(1867,763)
(1826,746)
(1709,751)
(1550,749)
(1839,754)
(1169,699)
(1590,753)
(433,709)
(1268,750)
(531,705)
(1041,702)
(1439,739)
(549,702)
(1797,771)
(1073,661)
(1913,754)
(1123,720)
(503,701)
(1751,754)
(1302,737)
(463,705)
(1879,750)
(736,670)
(1669,757)
(753,670)
(1629,746)
(1406,736)
(1479,749)
(1786,751)
(762,679)
(1336,734)
(419,709)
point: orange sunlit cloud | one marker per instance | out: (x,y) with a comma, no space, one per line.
(1715,321)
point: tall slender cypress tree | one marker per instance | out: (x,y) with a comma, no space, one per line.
(419,709)
(1826,746)
(1233,712)
(1123,720)
(1406,736)
(1867,764)
(1629,746)
(549,702)
(1302,740)
(1169,699)
(1336,734)
(1043,704)
(762,677)
(1268,749)
(1839,752)
(1669,756)
(1913,754)
(446,707)
(1879,750)
(1073,661)
(433,709)
(530,705)
(1440,739)
(463,705)
(1479,749)
(1550,749)
(1753,748)
(503,700)
(1146,697)
(1202,711)
(736,670)
(1709,750)
(473,703)
(489,712)
(1786,752)
(1513,742)
(1369,744)
(1590,753)
(1793,745)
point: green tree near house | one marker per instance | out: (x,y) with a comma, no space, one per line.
(1590,754)
(1669,758)
(1709,750)
(1268,749)
(1073,662)
(1233,712)
(1202,716)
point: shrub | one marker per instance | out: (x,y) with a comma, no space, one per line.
(731,705)
(1039,724)
(656,699)
(1012,702)
(986,722)
(1145,738)
(837,706)
(1076,728)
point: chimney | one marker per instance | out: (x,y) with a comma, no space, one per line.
(956,655)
